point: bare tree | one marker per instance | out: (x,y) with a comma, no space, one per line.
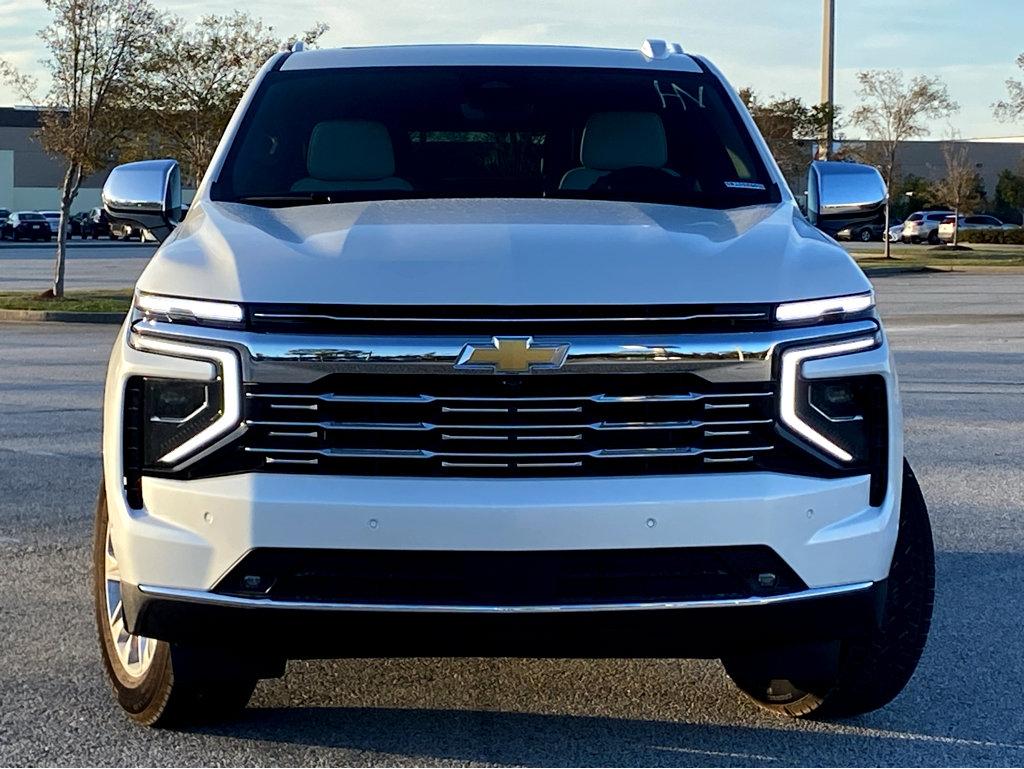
(95,47)
(196,80)
(1012,108)
(960,188)
(893,111)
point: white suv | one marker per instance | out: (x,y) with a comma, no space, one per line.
(500,350)
(923,226)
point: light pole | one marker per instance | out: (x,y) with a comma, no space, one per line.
(828,62)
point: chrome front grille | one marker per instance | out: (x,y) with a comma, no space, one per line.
(515,425)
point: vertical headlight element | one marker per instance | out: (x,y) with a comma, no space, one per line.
(831,401)
(181,417)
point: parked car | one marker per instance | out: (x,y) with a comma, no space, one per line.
(27,225)
(125,231)
(611,396)
(53,219)
(923,226)
(865,233)
(896,232)
(972,222)
(97,224)
(80,225)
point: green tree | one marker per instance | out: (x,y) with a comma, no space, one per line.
(789,127)
(911,193)
(1010,195)
(892,111)
(95,48)
(195,81)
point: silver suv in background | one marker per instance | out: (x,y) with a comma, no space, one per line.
(973,222)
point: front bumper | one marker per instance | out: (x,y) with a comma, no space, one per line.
(697,629)
(191,533)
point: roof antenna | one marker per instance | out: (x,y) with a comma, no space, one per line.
(652,48)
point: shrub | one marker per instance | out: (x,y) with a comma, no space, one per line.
(1000,237)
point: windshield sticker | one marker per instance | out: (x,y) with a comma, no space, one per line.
(745,186)
(679,93)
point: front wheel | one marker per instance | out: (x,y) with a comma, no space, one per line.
(157,683)
(869,672)
(865,235)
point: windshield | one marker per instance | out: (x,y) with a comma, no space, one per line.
(469,132)
(30,217)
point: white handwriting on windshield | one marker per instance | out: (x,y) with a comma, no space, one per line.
(677,92)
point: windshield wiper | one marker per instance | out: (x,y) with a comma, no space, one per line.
(319,197)
(283,199)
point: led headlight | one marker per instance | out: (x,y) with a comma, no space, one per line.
(816,309)
(837,416)
(174,308)
(179,418)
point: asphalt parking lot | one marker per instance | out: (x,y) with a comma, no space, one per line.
(959,341)
(91,264)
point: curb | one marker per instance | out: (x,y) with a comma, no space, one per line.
(880,272)
(57,316)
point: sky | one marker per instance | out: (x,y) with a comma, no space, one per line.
(773,46)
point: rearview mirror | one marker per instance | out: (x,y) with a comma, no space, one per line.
(842,194)
(147,194)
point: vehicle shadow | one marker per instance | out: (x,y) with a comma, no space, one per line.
(476,736)
(963,706)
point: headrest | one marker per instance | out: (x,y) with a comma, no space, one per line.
(345,150)
(614,140)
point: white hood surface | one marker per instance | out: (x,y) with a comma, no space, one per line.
(499,252)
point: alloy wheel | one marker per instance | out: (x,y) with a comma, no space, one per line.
(134,652)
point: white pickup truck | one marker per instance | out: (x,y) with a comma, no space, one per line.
(503,350)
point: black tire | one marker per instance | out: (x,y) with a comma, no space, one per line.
(933,238)
(865,235)
(869,672)
(182,685)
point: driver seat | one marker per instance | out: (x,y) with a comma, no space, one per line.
(616,140)
(350,155)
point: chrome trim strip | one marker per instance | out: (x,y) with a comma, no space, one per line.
(343,453)
(690,424)
(470,321)
(404,399)
(216,599)
(718,357)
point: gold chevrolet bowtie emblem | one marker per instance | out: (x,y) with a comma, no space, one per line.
(512,354)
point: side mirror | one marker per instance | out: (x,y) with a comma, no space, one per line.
(842,194)
(147,194)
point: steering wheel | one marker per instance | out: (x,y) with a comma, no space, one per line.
(656,182)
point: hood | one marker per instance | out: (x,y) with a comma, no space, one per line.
(503,252)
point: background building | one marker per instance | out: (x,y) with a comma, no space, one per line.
(29,178)
(990,156)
